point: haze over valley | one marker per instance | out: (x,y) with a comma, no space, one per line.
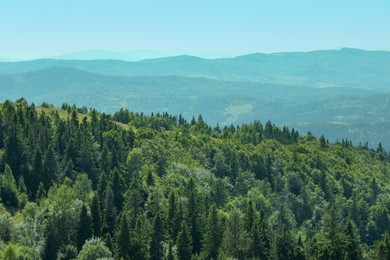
(342,94)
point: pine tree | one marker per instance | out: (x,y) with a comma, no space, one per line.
(193,219)
(109,212)
(212,238)
(172,219)
(332,237)
(249,216)
(50,246)
(37,173)
(96,216)
(384,247)
(117,186)
(41,192)
(184,243)
(84,231)
(123,242)
(284,244)
(22,186)
(9,192)
(353,250)
(137,241)
(156,248)
(233,242)
(50,166)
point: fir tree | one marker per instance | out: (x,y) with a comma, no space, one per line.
(156,248)
(184,243)
(212,238)
(84,228)
(123,242)
(96,216)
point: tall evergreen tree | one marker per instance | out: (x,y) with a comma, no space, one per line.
(96,216)
(117,186)
(156,249)
(384,247)
(193,221)
(9,192)
(123,242)
(84,231)
(332,238)
(353,250)
(109,212)
(172,216)
(284,244)
(233,238)
(184,243)
(212,238)
(50,166)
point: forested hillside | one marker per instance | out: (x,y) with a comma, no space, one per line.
(79,184)
(337,93)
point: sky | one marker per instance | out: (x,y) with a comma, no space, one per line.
(230,27)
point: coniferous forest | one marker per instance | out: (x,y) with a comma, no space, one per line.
(79,184)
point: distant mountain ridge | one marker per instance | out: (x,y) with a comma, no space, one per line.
(343,94)
(345,67)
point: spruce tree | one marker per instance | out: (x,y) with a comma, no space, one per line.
(84,231)
(117,187)
(9,192)
(193,221)
(172,220)
(123,242)
(96,216)
(212,238)
(353,250)
(41,192)
(109,212)
(184,243)
(284,244)
(233,238)
(156,248)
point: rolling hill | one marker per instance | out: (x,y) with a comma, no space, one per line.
(342,94)
(339,112)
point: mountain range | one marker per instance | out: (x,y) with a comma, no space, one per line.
(343,94)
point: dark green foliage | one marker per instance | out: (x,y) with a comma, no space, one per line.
(41,192)
(383,251)
(109,216)
(213,235)
(193,219)
(234,235)
(162,188)
(8,190)
(117,186)
(84,231)
(156,248)
(285,244)
(332,239)
(96,216)
(123,243)
(353,249)
(184,243)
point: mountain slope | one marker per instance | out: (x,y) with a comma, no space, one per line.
(346,67)
(74,186)
(339,113)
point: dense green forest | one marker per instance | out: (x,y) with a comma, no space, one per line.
(79,184)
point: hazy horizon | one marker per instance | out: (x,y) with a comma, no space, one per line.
(220,28)
(139,55)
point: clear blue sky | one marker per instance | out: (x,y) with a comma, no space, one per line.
(52,27)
